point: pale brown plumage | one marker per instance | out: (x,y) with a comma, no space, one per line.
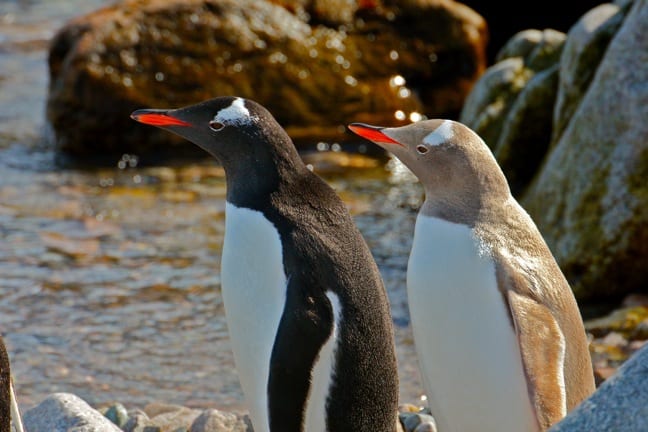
(464,184)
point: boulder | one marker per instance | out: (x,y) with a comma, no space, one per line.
(590,198)
(315,65)
(525,134)
(511,105)
(586,43)
(506,18)
(619,404)
(63,412)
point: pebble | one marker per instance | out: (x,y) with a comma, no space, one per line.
(419,420)
(117,414)
(212,420)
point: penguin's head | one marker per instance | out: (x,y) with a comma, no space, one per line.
(232,129)
(254,149)
(452,162)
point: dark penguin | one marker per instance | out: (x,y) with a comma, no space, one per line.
(306,308)
(8,405)
(498,333)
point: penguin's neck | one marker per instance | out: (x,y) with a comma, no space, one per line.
(450,209)
(253,180)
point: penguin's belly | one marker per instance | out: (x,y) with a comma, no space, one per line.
(467,348)
(254,293)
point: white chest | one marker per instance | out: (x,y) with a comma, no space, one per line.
(254,293)
(468,351)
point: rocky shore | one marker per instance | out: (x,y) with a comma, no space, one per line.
(618,348)
(620,404)
(63,412)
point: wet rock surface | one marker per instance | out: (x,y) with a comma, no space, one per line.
(315,65)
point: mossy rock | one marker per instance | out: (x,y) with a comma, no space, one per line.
(512,103)
(590,199)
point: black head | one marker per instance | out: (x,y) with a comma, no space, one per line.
(252,147)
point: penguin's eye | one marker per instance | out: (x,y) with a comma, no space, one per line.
(215,125)
(422,149)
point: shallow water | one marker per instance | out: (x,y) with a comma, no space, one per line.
(109,278)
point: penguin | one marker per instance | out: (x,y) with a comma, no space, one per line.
(498,334)
(306,308)
(9,412)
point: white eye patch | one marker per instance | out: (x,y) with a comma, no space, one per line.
(441,134)
(235,114)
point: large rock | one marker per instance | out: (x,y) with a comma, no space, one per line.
(63,412)
(590,199)
(316,65)
(506,18)
(586,43)
(511,105)
(620,404)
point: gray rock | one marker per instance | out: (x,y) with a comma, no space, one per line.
(547,52)
(520,45)
(63,412)
(418,422)
(488,104)
(171,421)
(138,421)
(213,420)
(117,414)
(526,133)
(511,104)
(590,199)
(586,43)
(156,408)
(619,405)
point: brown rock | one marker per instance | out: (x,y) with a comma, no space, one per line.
(313,77)
(622,321)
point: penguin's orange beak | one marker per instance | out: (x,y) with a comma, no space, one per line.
(157,118)
(372,133)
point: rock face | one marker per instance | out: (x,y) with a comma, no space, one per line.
(63,412)
(590,198)
(564,119)
(316,65)
(620,404)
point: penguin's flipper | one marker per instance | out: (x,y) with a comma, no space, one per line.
(542,345)
(305,326)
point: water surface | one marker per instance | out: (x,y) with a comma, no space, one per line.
(109,277)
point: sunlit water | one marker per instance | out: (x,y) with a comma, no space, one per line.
(109,278)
